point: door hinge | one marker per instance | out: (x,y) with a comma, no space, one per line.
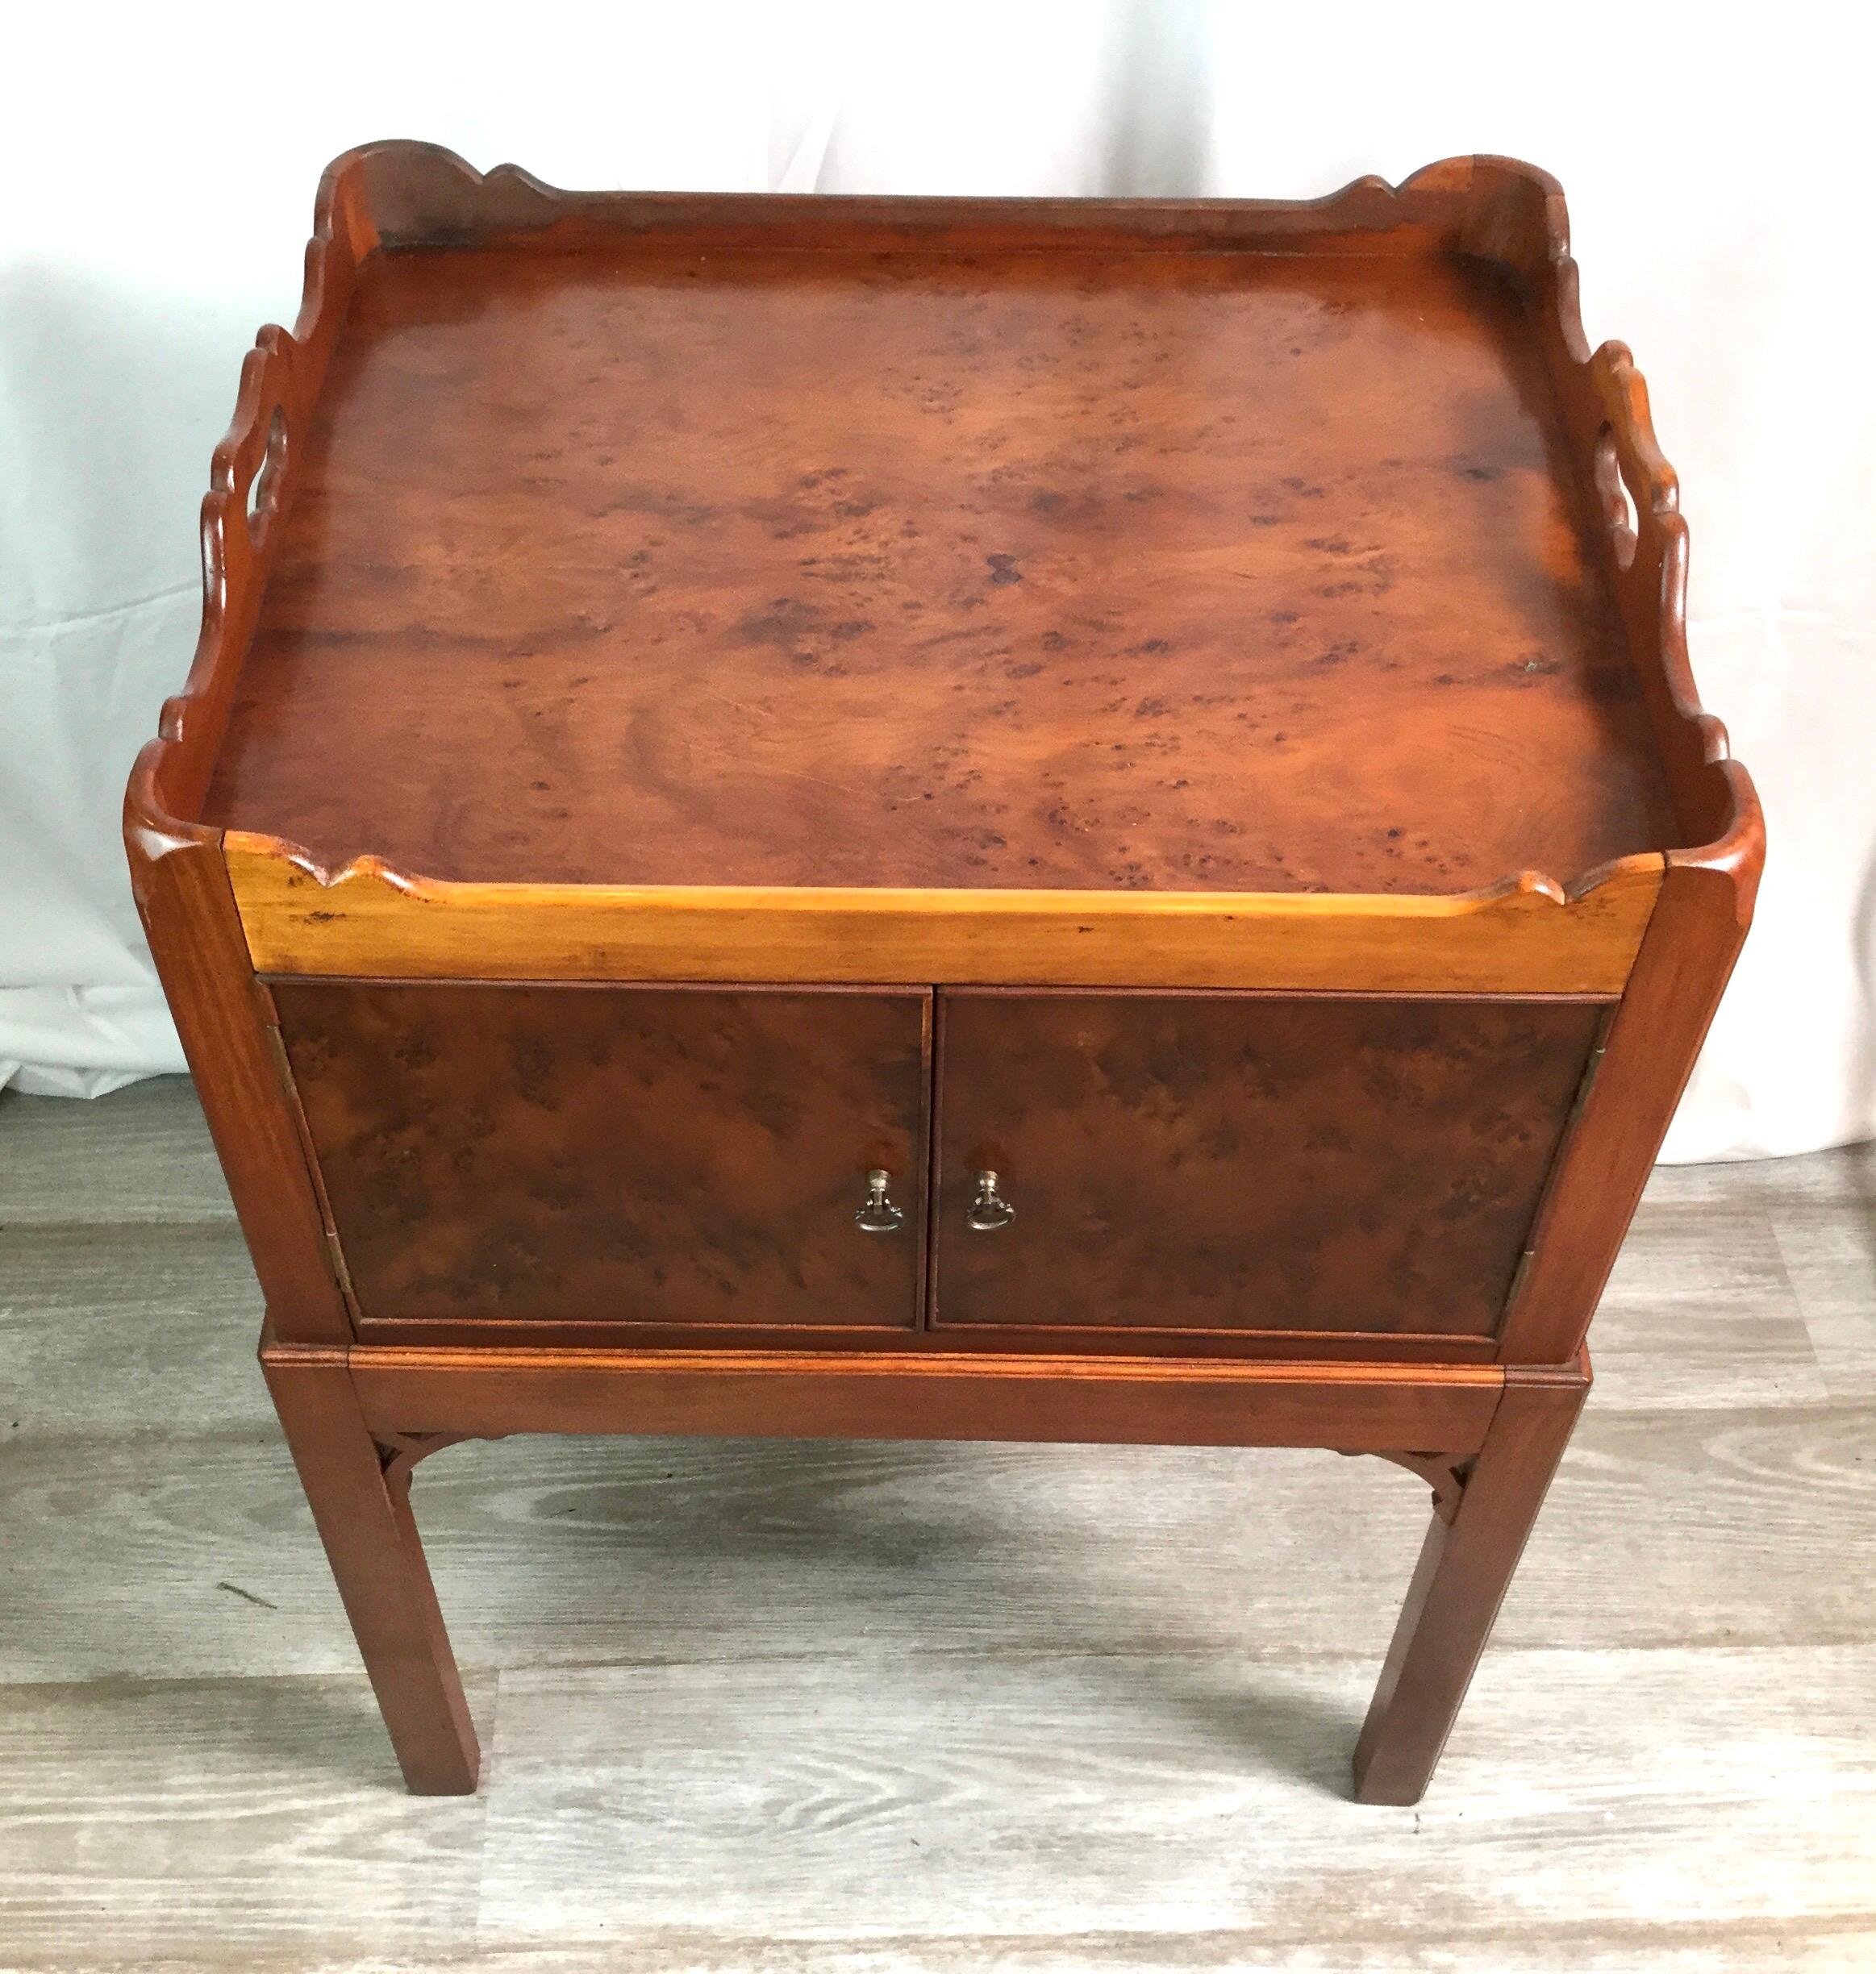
(1591,1070)
(341,1273)
(282,1063)
(334,1254)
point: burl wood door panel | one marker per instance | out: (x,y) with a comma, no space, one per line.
(1242,1162)
(615,1154)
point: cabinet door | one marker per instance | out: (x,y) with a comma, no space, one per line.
(578,1154)
(1238,1162)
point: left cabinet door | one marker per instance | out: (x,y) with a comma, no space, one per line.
(639,1155)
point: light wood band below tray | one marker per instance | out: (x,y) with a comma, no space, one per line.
(1526,936)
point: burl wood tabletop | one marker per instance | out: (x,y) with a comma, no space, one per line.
(1188,570)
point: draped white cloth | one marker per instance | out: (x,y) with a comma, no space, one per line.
(159,169)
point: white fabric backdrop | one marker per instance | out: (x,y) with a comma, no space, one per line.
(159,169)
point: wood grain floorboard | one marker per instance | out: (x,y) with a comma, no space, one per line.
(104,1331)
(576,1551)
(1822,1211)
(141,1154)
(183,1817)
(1700,1313)
(1049,1796)
(775,1706)
(1745,1948)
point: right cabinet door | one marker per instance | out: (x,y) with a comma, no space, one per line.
(1228,1162)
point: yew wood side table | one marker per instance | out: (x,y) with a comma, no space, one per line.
(956,819)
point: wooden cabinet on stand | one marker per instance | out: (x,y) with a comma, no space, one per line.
(895,818)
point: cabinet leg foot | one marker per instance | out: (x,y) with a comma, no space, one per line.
(1465,1567)
(360,1493)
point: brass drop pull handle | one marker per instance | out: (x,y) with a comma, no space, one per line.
(989,1210)
(879,1215)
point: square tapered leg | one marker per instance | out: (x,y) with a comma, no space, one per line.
(360,1493)
(1464,1569)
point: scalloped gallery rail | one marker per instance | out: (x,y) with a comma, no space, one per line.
(1526,935)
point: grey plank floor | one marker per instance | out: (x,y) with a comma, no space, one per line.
(785,1706)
